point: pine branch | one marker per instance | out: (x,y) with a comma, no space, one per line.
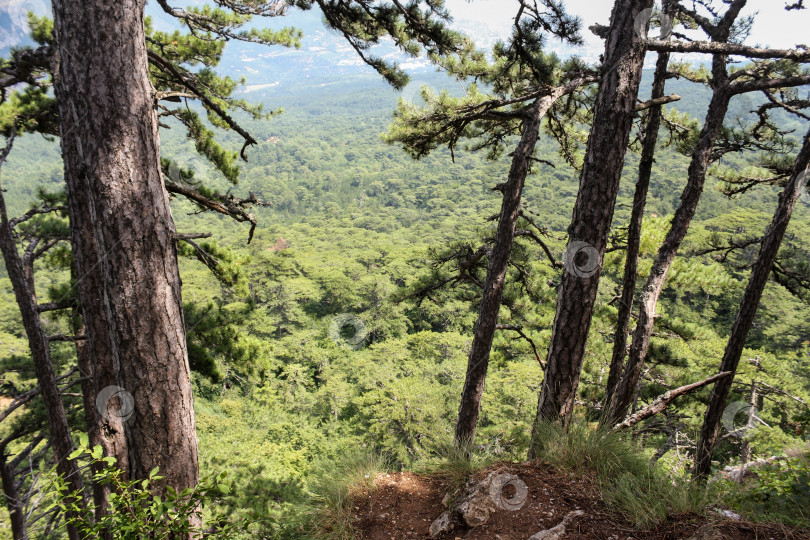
(229,205)
(519,330)
(801,54)
(661,402)
(657,102)
(189,81)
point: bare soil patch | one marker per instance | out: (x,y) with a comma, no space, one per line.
(404,505)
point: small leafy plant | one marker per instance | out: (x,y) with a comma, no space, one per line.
(780,492)
(134,512)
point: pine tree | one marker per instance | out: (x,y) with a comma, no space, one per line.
(761,76)
(593,210)
(118,185)
(760,272)
(519,87)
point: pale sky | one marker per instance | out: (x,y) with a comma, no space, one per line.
(774,27)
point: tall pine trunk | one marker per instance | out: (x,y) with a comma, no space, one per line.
(593,210)
(124,237)
(498,263)
(701,158)
(493,286)
(634,237)
(748,309)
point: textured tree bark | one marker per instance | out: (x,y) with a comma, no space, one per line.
(59,432)
(701,157)
(498,263)
(634,237)
(748,308)
(101,491)
(13,502)
(124,237)
(593,211)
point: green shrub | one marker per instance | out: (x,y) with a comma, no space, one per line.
(780,492)
(134,512)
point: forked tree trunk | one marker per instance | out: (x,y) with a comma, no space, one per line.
(498,264)
(123,235)
(748,308)
(59,432)
(593,211)
(634,235)
(701,158)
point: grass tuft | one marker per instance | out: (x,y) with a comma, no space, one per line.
(332,491)
(628,483)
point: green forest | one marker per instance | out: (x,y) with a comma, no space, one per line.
(329,311)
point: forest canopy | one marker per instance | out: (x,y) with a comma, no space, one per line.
(350,254)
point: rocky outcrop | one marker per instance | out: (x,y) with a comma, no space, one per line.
(480,499)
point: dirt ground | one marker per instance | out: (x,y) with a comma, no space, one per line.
(404,505)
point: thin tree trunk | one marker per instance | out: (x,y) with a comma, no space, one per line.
(40,355)
(748,308)
(634,235)
(14,505)
(493,287)
(124,236)
(593,211)
(701,157)
(498,263)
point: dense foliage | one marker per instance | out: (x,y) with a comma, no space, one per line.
(318,342)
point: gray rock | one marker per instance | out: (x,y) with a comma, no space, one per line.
(475,504)
(442,524)
(558,530)
(481,499)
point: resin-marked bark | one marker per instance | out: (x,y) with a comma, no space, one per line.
(124,237)
(593,210)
